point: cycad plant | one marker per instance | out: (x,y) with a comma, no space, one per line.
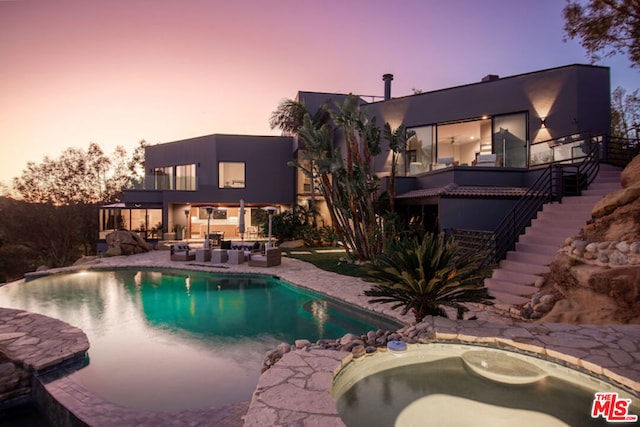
(427,276)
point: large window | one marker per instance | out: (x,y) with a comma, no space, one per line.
(510,140)
(419,154)
(146,222)
(461,143)
(494,141)
(163,178)
(231,175)
(186,177)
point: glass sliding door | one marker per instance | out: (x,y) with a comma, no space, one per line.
(510,140)
(462,142)
(419,150)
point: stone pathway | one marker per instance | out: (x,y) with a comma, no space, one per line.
(32,345)
(295,391)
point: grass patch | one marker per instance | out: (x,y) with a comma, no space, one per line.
(329,261)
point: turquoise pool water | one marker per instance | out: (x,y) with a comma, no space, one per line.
(169,339)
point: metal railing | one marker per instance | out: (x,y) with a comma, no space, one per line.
(620,151)
(556,181)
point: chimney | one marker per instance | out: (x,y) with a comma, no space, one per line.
(490,78)
(387,85)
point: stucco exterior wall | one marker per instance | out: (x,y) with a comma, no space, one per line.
(268,178)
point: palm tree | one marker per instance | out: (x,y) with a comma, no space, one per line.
(425,277)
(397,144)
(288,117)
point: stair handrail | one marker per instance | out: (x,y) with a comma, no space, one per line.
(506,233)
(620,151)
(548,187)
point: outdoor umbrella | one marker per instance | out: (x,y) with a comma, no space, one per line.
(241,219)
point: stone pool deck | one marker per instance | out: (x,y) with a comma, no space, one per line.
(295,391)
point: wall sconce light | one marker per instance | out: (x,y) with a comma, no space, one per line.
(543,122)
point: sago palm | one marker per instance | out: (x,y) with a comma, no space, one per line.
(425,277)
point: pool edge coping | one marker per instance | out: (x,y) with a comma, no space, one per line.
(297,367)
(561,342)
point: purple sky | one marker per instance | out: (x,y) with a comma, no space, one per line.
(115,72)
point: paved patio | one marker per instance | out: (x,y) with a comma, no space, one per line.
(296,390)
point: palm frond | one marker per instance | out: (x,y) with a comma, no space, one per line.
(427,276)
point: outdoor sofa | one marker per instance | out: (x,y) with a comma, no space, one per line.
(271,257)
(182,252)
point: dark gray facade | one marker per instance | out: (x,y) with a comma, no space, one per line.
(266,177)
(544,105)
(572,99)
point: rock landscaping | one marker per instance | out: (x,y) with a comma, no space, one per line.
(595,276)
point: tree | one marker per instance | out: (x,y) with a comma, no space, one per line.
(34,234)
(605,26)
(136,165)
(289,116)
(77,176)
(348,182)
(349,185)
(625,114)
(397,142)
(425,277)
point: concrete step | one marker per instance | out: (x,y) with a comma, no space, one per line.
(584,200)
(515,277)
(605,186)
(524,267)
(503,299)
(608,173)
(553,227)
(542,237)
(562,219)
(529,257)
(512,282)
(567,208)
(607,177)
(598,193)
(510,288)
(537,249)
(555,224)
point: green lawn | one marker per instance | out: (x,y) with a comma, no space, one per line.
(328,259)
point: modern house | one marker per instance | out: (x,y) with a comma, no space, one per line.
(473,151)
(215,170)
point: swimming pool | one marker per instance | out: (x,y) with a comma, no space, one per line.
(441,384)
(172,339)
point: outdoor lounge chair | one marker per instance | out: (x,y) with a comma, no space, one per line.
(271,257)
(182,252)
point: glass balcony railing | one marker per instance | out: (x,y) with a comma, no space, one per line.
(568,149)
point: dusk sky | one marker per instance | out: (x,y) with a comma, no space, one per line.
(116,72)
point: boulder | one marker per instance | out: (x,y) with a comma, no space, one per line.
(292,244)
(631,173)
(615,200)
(601,283)
(125,242)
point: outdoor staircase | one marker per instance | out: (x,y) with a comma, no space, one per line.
(513,282)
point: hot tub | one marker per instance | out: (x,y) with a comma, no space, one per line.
(441,384)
